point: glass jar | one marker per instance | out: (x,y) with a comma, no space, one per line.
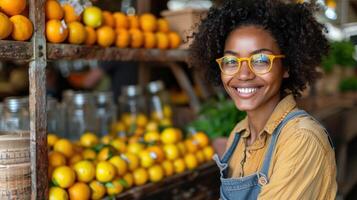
(132,107)
(80,115)
(159,104)
(55,119)
(105,112)
(16,114)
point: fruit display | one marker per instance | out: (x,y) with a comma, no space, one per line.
(14,21)
(73,23)
(93,167)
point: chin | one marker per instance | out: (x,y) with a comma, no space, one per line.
(245,106)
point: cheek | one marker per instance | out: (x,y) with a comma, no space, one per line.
(225,80)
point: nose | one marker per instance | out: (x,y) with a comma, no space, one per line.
(244,72)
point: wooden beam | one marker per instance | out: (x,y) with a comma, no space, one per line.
(37,77)
(15,50)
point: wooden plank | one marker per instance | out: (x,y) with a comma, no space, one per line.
(15,50)
(37,77)
(70,52)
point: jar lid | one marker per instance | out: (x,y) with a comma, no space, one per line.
(82,98)
(104,97)
(131,90)
(15,103)
(155,86)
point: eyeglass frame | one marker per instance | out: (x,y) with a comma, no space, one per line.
(248,59)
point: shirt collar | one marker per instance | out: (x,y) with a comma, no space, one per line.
(286,105)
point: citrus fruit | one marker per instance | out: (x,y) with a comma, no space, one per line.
(119,126)
(141,120)
(89,154)
(149,40)
(174,39)
(107,138)
(146,159)
(156,173)
(179,165)
(201,138)
(57,193)
(51,138)
(92,16)
(129,179)
(200,156)
(135,148)
(6,26)
(85,171)
(22,28)
(63,176)
(56,32)
(56,159)
(157,152)
(12,7)
(148,22)
(121,20)
(152,126)
(89,139)
(152,136)
(190,161)
(91,36)
(114,187)
(105,153)
(120,165)
(191,145)
(77,33)
(70,14)
(134,22)
(167,111)
(105,36)
(119,145)
(208,151)
(182,148)
(132,160)
(65,147)
(105,171)
(162,40)
(53,10)
(137,38)
(141,176)
(171,151)
(108,19)
(79,191)
(169,136)
(75,158)
(168,168)
(98,189)
(163,25)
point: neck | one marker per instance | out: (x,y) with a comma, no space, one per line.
(258,118)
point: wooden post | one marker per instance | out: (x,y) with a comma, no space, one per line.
(37,77)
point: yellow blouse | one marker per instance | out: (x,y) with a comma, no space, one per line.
(303,164)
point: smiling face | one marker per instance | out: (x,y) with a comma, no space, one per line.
(252,92)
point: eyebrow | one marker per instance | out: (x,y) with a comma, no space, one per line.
(253,52)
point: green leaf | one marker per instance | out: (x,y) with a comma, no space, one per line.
(109,185)
(123,183)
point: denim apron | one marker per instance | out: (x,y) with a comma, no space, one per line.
(248,187)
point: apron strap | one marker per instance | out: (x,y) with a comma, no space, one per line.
(275,135)
(227,155)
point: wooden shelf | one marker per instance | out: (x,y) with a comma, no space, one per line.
(15,50)
(68,51)
(172,187)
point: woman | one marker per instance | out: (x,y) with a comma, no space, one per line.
(265,52)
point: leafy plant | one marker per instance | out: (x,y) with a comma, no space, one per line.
(348,84)
(341,53)
(217,117)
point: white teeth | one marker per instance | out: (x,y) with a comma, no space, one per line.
(247,90)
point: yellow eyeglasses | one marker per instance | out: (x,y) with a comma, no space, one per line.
(259,63)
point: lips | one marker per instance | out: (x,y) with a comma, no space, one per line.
(246,92)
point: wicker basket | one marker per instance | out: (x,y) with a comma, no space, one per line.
(15,166)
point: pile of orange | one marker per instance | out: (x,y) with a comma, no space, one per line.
(94,26)
(93,167)
(14,23)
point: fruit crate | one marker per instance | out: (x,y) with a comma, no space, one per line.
(201,183)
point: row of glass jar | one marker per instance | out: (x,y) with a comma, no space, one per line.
(80,112)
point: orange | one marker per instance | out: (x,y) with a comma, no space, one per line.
(105,171)
(150,40)
(22,29)
(105,36)
(157,152)
(191,161)
(156,173)
(98,189)
(163,41)
(121,21)
(56,159)
(118,145)
(179,165)
(191,146)
(141,120)
(137,38)
(106,153)
(114,187)
(75,158)
(146,159)
(63,176)
(53,10)
(141,176)
(152,136)
(119,164)
(134,22)
(56,32)
(170,136)
(129,179)
(148,22)
(89,154)
(65,147)
(51,138)
(88,139)
(171,151)
(132,160)
(174,39)
(12,7)
(85,171)
(163,25)
(108,19)
(135,148)
(200,156)
(91,36)
(77,33)
(208,151)
(201,138)
(70,14)
(168,167)
(6,26)
(57,193)
(79,191)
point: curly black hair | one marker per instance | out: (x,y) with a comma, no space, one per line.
(298,34)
